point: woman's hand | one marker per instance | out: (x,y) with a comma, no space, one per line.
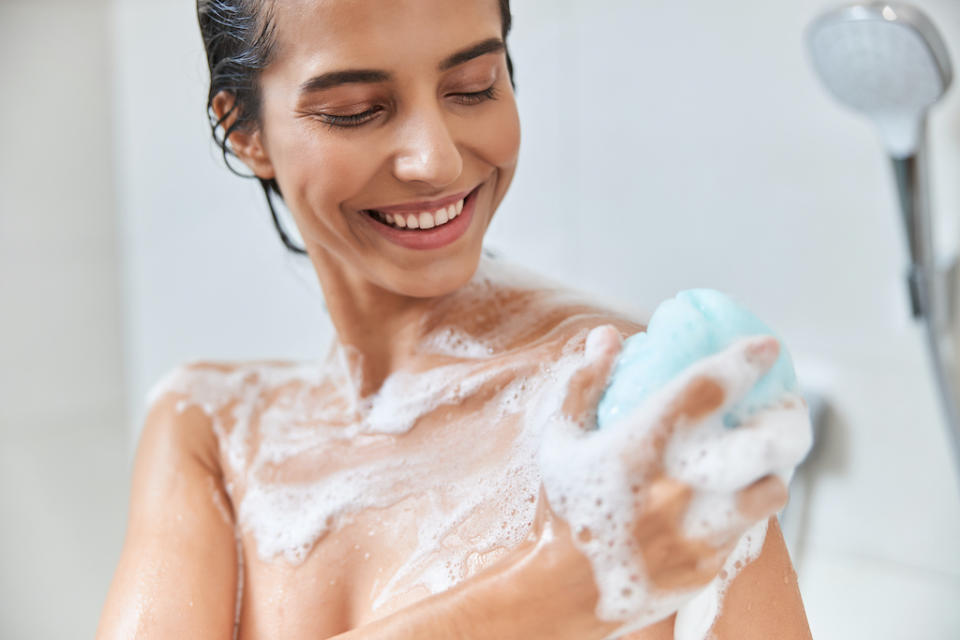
(658,500)
(547,587)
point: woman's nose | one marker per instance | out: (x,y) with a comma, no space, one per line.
(428,152)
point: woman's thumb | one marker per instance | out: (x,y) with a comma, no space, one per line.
(588,383)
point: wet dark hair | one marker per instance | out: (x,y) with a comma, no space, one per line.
(238,36)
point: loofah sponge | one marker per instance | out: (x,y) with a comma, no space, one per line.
(695,324)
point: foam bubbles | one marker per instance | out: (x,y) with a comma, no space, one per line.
(598,482)
(305,456)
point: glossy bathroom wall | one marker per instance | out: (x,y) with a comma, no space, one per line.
(666,145)
(63,441)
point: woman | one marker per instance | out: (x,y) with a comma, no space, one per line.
(399,489)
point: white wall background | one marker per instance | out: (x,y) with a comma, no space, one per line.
(63,445)
(667,145)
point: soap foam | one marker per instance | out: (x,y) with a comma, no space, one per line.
(299,469)
(286,518)
(586,477)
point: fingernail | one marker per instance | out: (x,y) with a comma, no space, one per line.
(601,340)
(764,352)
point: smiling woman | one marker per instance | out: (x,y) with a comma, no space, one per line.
(409,485)
(378,117)
(235,63)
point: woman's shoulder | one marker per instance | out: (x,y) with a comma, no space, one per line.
(195,401)
(212,384)
(561,314)
(512,308)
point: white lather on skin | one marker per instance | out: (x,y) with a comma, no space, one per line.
(302,469)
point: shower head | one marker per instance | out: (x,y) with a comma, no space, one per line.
(885,60)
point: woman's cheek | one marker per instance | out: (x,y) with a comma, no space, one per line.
(499,145)
(324,177)
(500,135)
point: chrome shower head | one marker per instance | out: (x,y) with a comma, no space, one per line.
(885,60)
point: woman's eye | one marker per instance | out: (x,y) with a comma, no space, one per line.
(476,97)
(357,119)
(352,120)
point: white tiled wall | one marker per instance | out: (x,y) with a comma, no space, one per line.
(63,445)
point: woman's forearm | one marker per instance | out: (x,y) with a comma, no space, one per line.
(543,590)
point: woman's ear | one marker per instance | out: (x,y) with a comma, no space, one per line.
(246,144)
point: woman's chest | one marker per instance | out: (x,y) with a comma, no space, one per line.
(380,529)
(338,531)
(347,513)
(377,560)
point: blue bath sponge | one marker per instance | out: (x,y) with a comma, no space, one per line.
(695,324)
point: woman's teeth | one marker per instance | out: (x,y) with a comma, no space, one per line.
(422,220)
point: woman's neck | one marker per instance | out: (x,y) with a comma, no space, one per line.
(377,330)
(380,331)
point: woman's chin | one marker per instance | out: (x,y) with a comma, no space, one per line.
(434,280)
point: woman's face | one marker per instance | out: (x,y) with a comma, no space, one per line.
(398,106)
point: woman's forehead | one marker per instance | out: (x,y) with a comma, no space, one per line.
(375,33)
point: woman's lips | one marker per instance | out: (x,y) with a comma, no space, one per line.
(440,235)
(417,207)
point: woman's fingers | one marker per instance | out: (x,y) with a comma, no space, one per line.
(587,385)
(762,499)
(714,458)
(717,382)
(672,558)
(704,389)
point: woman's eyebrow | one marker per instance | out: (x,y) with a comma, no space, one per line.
(334,78)
(490,45)
(373,76)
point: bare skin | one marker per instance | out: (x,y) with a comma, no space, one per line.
(422,141)
(179,537)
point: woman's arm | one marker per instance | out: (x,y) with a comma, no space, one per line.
(547,591)
(763,601)
(544,589)
(177,574)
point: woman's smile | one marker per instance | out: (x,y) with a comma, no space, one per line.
(426,225)
(387,134)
